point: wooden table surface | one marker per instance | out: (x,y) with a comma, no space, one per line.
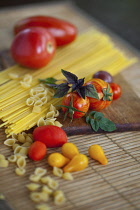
(124,195)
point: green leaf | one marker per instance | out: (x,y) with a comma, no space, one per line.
(94,124)
(62,90)
(92,113)
(87,119)
(90,91)
(98,115)
(107,94)
(107,125)
(49,80)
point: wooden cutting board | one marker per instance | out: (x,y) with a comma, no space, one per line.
(124,112)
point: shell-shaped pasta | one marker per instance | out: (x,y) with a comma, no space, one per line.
(50,121)
(2,157)
(27,78)
(59,197)
(34,178)
(21,162)
(56,113)
(53,184)
(36,109)
(45,179)
(39,196)
(14,146)
(30,101)
(20,171)
(13,76)
(9,142)
(50,114)
(21,138)
(14,136)
(41,122)
(33,186)
(38,103)
(18,155)
(52,108)
(32,92)
(29,139)
(4,163)
(24,151)
(47,190)
(67,176)
(58,124)
(41,95)
(26,144)
(30,135)
(40,171)
(44,100)
(57,171)
(17,149)
(43,206)
(39,89)
(12,158)
(25,84)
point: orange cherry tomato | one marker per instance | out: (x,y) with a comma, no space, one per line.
(78,102)
(37,151)
(104,92)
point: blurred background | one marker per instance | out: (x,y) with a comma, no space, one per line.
(121,16)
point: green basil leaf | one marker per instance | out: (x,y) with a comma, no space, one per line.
(98,115)
(94,124)
(107,125)
(49,80)
(87,119)
(91,91)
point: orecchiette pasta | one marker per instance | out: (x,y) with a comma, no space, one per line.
(33,186)
(40,171)
(20,171)
(57,171)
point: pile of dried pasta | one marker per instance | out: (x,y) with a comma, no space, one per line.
(24,100)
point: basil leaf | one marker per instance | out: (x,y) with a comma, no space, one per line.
(90,91)
(98,115)
(49,80)
(72,78)
(107,125)
(94,124)
(62,90)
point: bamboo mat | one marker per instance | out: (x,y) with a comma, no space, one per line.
(114,186)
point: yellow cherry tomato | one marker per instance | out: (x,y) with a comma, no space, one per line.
(78,163)
(69,150)
(96,152)
(57,160)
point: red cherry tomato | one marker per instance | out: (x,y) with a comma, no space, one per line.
(37,151)
(103,102)
(63,31)
(117,90)
(78,103)
(50,135)
(33,47)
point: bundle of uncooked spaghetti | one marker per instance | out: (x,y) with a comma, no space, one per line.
(90,52)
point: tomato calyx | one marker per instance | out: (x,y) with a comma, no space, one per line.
(70,110)
(97,120)
(107,94)
(72,84)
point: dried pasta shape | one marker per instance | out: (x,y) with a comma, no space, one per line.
(47,190)
(40,171)
(58,124)
(14,136)
(53,184)
(17,149)
(21,138)
(25,85)
(39,89)
(67,176)
(24,151)
(13,76)
(14,146)
(34,178)
(57,171)
(45,179)
(33,92)
(9,142)
(38,103)
(50,114)
(41,95)
(39,196)
(59,197)
(2,157)
(52,108)
(41,122)
(20,171)
(56,113)
(26,144)
(33,186)
(4,163)
(21,162)
(27,78)
(30,101)
(43,206)
(29,139)
(50,121)
(44,100)
(12,158)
